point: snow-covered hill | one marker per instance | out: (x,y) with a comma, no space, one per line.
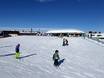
(84,58)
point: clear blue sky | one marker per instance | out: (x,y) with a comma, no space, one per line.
(78,14)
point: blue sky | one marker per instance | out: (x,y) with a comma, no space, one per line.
(78,14)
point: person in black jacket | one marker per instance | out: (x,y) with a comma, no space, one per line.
(56,58)
(67,42)
(64,42)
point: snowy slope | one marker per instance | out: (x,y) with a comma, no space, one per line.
(83,58)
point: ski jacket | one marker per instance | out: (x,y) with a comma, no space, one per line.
(17,48)
(56,56)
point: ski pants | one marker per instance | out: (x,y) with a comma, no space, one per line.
(17,54)
(56,62)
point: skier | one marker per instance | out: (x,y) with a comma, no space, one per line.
(17,51)
(64,41)
(56,58)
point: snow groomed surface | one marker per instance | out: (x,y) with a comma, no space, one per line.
(84,58)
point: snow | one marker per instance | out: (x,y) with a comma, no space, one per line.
(102,40)
(65,31)
(83,58)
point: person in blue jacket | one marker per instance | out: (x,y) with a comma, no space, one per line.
(17,49)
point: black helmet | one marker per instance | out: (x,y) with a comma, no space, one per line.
(56,51)
(18,44)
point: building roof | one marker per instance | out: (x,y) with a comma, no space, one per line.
(65,31)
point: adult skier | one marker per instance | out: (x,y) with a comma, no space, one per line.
(56,58)
(64,42)
(17,51)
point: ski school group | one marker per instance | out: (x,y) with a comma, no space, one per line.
(56,57)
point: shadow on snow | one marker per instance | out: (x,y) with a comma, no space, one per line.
(6,46)
(27,56)
(60,62)
(10,54)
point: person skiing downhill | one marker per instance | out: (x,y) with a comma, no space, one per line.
(56,58)
(17,51)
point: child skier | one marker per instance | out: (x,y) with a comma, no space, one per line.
(56,58)
(17,51)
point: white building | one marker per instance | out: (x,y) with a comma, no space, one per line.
(98,35)
(66,32)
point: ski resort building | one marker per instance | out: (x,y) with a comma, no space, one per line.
(7,33)
(66,32)
(98,35)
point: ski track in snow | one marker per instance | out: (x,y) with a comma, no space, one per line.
(83,58)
